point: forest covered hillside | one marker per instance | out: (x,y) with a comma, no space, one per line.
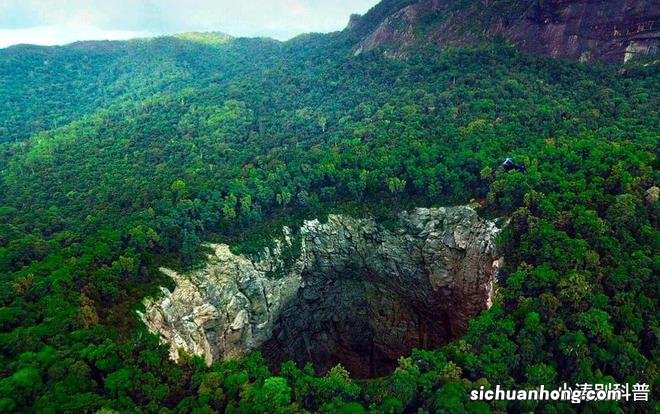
(117,158)
(46,87)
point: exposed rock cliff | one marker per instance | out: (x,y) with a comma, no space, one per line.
(357,293)
(613,31)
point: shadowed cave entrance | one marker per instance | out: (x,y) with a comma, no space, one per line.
(361,320)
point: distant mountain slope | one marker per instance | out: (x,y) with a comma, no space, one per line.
(45,87)
(42,88)
(612,31)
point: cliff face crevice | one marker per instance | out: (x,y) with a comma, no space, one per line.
(357,293)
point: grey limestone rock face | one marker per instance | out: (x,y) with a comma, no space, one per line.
(358,293)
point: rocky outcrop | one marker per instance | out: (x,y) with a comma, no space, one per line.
(226,309)
(613,31)
(356,292)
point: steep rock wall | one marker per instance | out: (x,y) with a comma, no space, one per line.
(612,31)
(358,293)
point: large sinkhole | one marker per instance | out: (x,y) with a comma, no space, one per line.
(362,320)
(347,291)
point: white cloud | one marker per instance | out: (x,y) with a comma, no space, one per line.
(50,22)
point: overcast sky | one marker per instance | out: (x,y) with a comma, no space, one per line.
(49,22)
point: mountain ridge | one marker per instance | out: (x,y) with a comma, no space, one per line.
(138,68)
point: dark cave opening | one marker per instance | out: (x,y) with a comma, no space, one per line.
(360,320)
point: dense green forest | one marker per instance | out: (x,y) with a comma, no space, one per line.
(46,87)
(127,155)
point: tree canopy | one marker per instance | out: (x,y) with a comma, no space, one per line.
(126,156)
